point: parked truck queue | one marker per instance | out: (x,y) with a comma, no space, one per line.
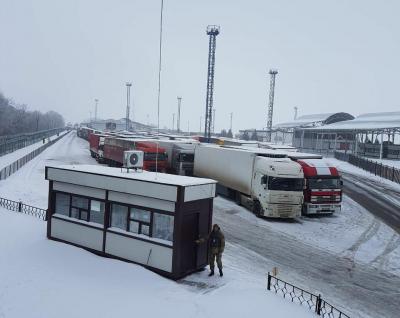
(270,180)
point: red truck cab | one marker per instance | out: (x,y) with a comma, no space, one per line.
(114,152)
(96,144)
(323,187)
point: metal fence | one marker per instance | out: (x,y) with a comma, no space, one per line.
(11,143)
(378,169)
(20,207)
(302,297)
(16,165)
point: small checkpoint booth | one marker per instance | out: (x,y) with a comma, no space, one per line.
(151,219)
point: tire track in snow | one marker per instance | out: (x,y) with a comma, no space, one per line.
(383,258)
(350,253)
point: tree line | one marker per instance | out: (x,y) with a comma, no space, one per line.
(17,119)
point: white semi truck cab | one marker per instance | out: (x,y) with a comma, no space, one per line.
(277,188)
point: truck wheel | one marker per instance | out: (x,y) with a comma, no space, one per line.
(257,209)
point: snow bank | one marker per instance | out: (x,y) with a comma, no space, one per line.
(43,278)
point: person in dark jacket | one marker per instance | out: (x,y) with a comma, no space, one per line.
(216,245)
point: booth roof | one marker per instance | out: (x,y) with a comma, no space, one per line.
(148,176)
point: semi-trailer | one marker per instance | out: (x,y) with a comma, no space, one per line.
(265,181)
(154,159)
(180,155)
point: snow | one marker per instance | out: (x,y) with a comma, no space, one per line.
(353,233)
(140,175)
(386,162)
(43,278)
(18,154)
(349,168)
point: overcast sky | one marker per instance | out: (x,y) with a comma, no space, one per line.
(331,56)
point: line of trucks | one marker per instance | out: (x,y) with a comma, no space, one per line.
(270,181)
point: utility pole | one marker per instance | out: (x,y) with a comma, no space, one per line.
(230,126)
(188,130)
(295,112)
(128,103)
(173,121)
(271,103)
(96,101)
(201,118)
(178,120)
(212,32)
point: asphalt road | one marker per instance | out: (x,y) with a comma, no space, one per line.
(378,198)
(360,290)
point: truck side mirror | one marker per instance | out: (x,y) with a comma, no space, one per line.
(341,183)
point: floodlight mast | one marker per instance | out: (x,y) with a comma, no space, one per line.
(273,73)
(212,32)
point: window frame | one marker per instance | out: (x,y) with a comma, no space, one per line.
(89,206)
(149,224)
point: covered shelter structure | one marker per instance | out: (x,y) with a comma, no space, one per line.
(151,219)
(374,135)
(284,132)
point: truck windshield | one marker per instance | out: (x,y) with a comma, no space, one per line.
(324,183)
(285,184)
(151,156)
(186,157)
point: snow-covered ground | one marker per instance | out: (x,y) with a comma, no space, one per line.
(347,167)
(340,255)
(17,154)
(42,278)
(28,184)
(353,234)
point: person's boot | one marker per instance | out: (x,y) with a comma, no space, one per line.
(211,273)
(220,272)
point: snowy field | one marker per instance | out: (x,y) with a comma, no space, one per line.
(42,278)
(351,245)
(386,162)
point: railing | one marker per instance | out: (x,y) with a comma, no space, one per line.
(378,169)
(304,298)
(11,143)
(20,207)
(16,165)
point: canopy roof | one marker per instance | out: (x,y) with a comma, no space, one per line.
(316,120)
(366,122)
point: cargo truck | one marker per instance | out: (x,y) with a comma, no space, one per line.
(323,185)
(114,152)
(265,181)
(180,155)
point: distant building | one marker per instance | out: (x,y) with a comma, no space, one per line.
(116,125)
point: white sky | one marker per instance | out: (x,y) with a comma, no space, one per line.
(331,56)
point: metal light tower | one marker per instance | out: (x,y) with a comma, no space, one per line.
(295,112)
(271,103)
(230,126)
(213,120)
(128,103)
(173,121)
(178,119)
(212,32)
(96,101)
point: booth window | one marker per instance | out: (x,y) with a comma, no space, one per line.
(139,221)
(163,226)
(119,216)
(78,207)
(62,204)
(97,211)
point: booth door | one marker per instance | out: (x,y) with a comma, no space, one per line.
(190,231)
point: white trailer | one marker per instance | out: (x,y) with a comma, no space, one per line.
(266,181)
